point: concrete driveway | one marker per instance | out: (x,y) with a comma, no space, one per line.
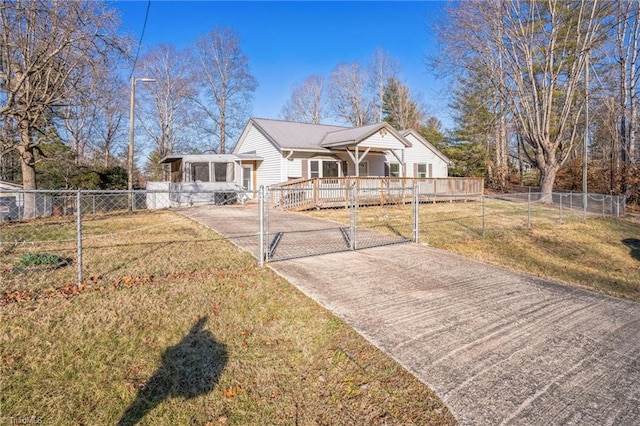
(498,347)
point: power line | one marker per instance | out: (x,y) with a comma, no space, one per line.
(144,27)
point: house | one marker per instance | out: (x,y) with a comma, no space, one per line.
(278,151)
(308,165)
(12,202)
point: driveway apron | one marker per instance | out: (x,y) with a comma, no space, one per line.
(497,346)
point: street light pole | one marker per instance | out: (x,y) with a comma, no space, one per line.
(131,125)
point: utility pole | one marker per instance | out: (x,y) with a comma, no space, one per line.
(131,132)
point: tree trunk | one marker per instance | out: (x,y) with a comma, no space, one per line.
(28,166)
(547,178)
(223,130)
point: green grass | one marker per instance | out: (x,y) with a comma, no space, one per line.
(229,343)
(597,253)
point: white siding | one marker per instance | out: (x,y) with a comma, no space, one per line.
(269,170)
(294,168)
(376,164)
(418,153)
(378,141)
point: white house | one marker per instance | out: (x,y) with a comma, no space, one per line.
(275,151)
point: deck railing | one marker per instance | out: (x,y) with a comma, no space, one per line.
(303,194)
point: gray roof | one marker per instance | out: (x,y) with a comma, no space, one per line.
(200,158)
(357,134)
(348,135)
(290,135)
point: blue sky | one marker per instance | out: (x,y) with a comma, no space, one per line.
(288,41)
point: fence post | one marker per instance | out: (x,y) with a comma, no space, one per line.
(611,198)
(261,225)
(561,196)
(570,200)
(416,214)
(529,209)
(267,221)
(79,235)
(482,197)
(353,217)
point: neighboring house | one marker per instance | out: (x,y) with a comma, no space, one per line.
(9,198)
(521,164)
(277,151)
(12,202)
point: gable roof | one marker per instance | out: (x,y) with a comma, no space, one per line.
(290,135)
(426,143)
(9,185)
(358,134)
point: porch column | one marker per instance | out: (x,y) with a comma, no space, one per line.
(400,159)
(357,159)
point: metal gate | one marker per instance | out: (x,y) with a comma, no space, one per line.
(353,222)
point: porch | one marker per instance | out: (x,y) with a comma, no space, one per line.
(306,194)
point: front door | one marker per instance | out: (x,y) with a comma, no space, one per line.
(247,178)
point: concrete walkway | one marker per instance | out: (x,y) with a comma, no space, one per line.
(497,346)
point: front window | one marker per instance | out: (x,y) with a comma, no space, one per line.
(422,171)
(394,170)
(315,169)
(329,169)
(321,168)
(200,172)
(223,172)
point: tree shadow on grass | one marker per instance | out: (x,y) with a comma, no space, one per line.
(189,369)
(634,245)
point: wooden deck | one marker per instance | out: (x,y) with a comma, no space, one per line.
(306,194)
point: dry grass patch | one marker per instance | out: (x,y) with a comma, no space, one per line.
(601,254)
(234,345)
(116,248)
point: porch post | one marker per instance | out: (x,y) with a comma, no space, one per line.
(357,162)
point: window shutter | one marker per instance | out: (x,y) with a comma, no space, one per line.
(305,168)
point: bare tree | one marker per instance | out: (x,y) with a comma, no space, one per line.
(112,110)
(348,95)
(79,120)
(627,55)
(536,53)
(44,51)
(383,67)
(307,101)
(222,69)
(165,103)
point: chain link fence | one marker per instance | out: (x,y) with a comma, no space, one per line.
(53,242)
(50,239)
(339,227)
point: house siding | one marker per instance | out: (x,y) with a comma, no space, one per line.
(294,168)
(270,170)
(418,153)
(378,141)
